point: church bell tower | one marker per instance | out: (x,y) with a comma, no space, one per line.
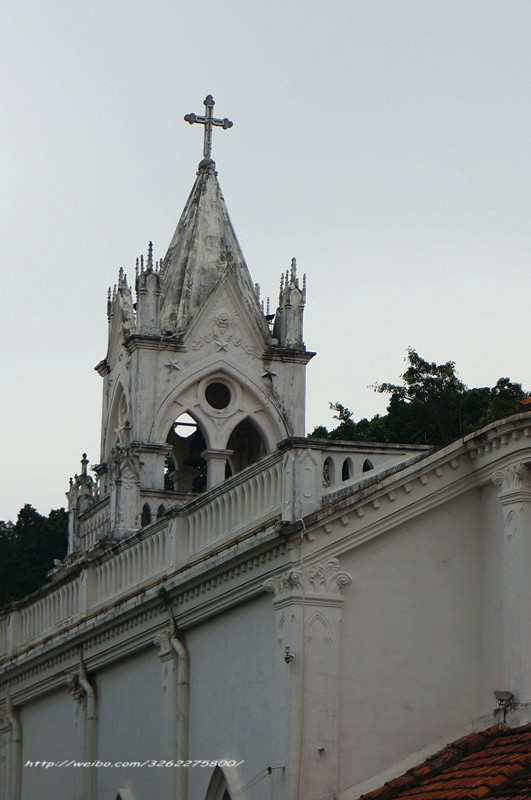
(198,382)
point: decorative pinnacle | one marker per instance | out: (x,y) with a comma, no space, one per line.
(149,266)
(293,277)
(208,121)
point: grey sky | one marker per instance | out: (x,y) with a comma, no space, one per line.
(384,144)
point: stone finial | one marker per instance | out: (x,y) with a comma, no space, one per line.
(149,265)
(84,464)
(293,275)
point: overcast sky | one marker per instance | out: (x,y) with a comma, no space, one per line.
(384,143)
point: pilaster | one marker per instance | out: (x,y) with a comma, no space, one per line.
(168,711)
(515,498)
(308,604)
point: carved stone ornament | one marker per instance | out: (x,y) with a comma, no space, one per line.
(163,644)
(74,686)
(324,577)
(223,330)
(513,479)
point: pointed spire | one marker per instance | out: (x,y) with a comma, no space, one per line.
(203,250)
(149,266)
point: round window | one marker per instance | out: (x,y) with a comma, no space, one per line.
(217,395)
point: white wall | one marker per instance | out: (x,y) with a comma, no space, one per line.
(411,643)
(234,699)
(49,734)
(129,725)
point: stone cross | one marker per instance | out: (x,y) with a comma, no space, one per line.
(208,121)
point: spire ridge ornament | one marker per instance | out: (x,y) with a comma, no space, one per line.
(208,121)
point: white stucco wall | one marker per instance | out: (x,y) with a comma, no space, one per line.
(129,725)
(49,734)
(236,708)
(411,642)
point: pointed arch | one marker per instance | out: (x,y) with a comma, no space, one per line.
(145,519)
(329,472)
(125,794)
(185,399)
(247,443)
(218,788)
(367,465)
(187,470)
(347,470)
(117,418)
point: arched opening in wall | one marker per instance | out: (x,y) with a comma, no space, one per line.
(186,468)
(145,518)
(217,788)
(328,472)
(367,465)
(119,427)
(346,470)
(247,445)
(160,511)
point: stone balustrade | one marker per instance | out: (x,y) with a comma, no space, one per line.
(285,485)
(238,505)
(141,561)
(94,525)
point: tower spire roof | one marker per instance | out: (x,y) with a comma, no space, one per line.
(204,248)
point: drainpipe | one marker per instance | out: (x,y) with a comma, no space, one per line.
(183,684)
(16,749)
(90,738)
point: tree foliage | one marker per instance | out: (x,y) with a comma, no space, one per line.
(28,548)
(431,406)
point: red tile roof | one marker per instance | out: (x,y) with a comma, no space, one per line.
(493,764)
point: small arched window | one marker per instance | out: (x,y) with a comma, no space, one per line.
(346,470)
(145,519)
(328,472)
(160,511)
(367,465)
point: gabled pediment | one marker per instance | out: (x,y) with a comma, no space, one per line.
(226,324)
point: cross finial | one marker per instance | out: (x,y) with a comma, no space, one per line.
(208,121)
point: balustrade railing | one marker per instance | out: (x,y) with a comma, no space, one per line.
(142,560)
(58,606)
(287,485)
(94,526)
(238,507)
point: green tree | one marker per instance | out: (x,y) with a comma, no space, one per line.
(431,406)
(28,549)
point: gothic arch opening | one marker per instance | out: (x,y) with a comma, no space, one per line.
(118,419)
(367,465)
(186,468)
(329,476)
(217,788)
(145,519)
(247,445)
(346,470)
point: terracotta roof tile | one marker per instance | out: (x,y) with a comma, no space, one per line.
(492,765)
